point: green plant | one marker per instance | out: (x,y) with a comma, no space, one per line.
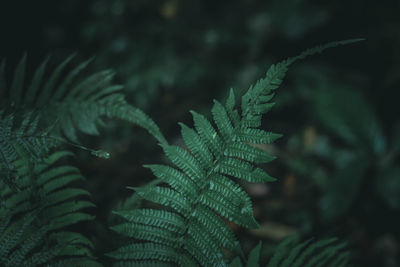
(39,200)
(290,252)
(36,218)
(202,188)
(39,204)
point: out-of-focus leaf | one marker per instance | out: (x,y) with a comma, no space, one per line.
(396,139)
(348,115)
(342,189)
(274,231)
(254,257)
(388,187)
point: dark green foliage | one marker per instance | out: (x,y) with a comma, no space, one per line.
(291,253)
(172,56)
(388,186)
(39,203)
(20,240)
(35,218)
(254,256)
(74,103)
(202,188)
(320,253)
(352,120)
(355,143)
(371,151)
(21,140)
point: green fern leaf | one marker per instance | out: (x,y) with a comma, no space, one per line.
(206,244)
(197,146)
(167,197)
(219,229)
(185,161)
(142,251)
(290,253)
(48,205)
(195,247)
(21,141)
(156,218)
(230,108)
(222,120)
(281,250)
(77,104)
(148,233)
(45,93)
(254,256)
(239,214)
(176,179)
(207,133)
(202,188)
(256,136)
(294,252)
(248,153)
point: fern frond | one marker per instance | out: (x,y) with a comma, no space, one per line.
(291,253)
(37,216)
(318,253)
(77,104)
(20,239)
(202,187)
(21,139)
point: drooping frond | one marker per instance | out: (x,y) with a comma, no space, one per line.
(35,220)
(75,103)
(291,253)
(21,139)
(201,188)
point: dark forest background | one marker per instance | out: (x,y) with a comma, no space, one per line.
(338,163)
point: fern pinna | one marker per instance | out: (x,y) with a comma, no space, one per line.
(201,189)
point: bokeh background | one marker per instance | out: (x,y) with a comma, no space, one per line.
(338,163)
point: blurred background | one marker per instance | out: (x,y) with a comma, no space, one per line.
(338,162)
